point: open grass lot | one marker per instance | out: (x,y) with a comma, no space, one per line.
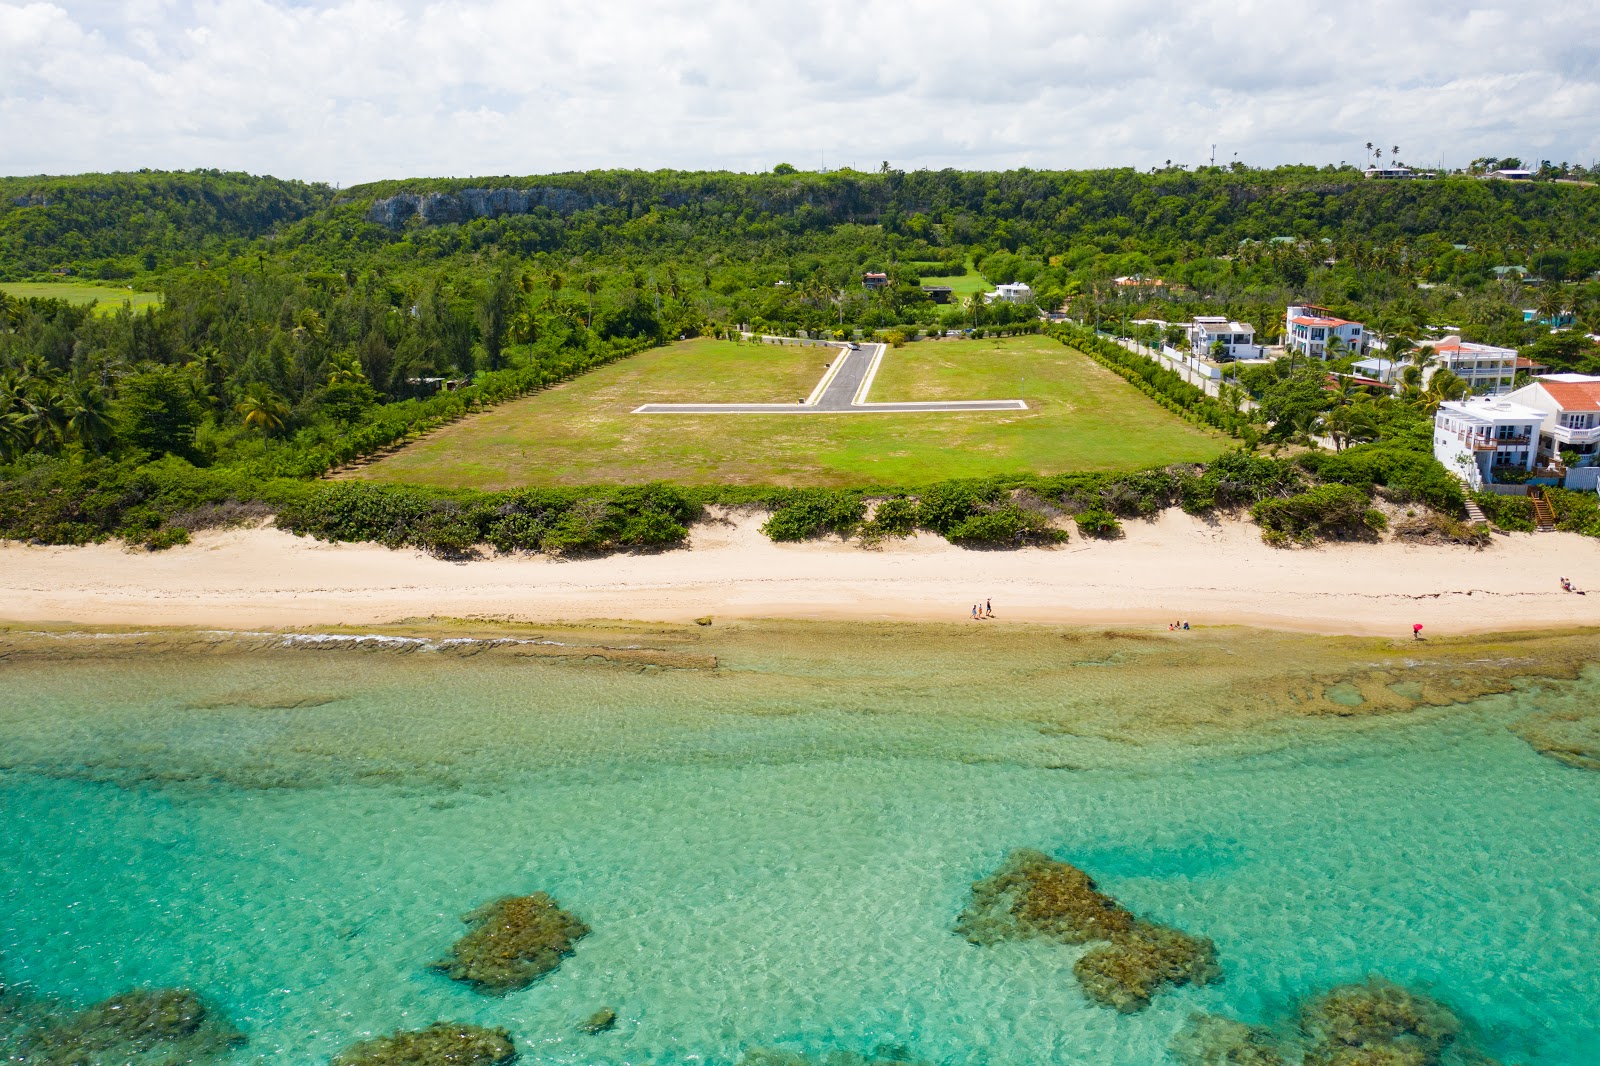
(1082,418)
(962,285)
(81,292)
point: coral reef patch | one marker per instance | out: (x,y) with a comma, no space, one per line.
(1376,1023)
(143,1027)
(1033,895)
(440,1044)
(513,942)
(1568,736)
(882,1056)
(602,1020)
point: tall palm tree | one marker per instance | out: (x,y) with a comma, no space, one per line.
(88,417)
(591,285)
(262,409)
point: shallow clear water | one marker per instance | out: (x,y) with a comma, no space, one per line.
(770,854)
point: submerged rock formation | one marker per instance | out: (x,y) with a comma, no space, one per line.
(150,1027)
(1377,1023)
(440,1044)
(1034,895)
(602,1020)
(513,942)
(883,1056)
(1572,737)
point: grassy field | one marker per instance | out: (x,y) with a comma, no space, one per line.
(962,285)
(81,292)
(1081,417)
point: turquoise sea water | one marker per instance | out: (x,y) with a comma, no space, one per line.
(770,854)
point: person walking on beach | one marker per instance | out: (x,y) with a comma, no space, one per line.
(1416,631)
(974,612)
(988,608)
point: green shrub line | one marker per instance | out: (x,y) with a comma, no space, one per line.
(161,503)
(394,423)
(1166,387)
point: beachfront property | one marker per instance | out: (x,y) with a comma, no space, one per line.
(874,280)
(1473,437)
(1015,292)
(1485,368)
(1309,330)
(1570,408)
(1237,339)
(1379,369)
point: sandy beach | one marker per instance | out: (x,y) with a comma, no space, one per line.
(1176,567)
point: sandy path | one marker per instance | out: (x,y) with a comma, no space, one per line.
(1177,567)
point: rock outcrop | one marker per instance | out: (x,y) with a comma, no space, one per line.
(513,942)
(1376,1023)
(440,208)
(1571,737)
(150,1027)
(440,1044)
(1033,895)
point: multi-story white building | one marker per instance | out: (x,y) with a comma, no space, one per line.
(1570,405)
(1485,368)
(1308,329)
(1472,437)
(1015,292)
(1238,339)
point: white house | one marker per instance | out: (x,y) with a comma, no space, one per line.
(1308,329)
(1485,368)
(1238,339)
(1570,405)
(1472,437)
(1015,292)
(1379,369)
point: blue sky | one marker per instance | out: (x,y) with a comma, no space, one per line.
(355,90)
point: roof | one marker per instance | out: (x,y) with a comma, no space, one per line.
(1574,395)
(1306,320)
(1492,408)
(1524,363)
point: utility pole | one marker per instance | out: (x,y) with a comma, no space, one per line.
(1213,155)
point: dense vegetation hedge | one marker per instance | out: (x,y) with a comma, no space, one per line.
(1166,387)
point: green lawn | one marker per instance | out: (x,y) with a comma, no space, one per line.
(82,292)
(1081,417)
(962,285)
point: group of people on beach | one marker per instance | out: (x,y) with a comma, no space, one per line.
(1568,586)
(983,610)
(1174,626)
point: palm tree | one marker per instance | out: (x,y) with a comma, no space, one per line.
(591,285)
(263,410)
(88,417)
(1349,424)
(1443,385)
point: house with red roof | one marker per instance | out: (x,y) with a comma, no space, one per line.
(1309,329)
(1485,368)
(1571,406)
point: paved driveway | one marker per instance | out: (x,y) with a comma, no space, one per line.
(842,391)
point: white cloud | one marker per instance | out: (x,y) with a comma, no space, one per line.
(353,90)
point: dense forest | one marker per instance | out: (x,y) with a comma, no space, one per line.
(301,326)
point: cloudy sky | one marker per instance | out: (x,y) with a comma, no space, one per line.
(354,90)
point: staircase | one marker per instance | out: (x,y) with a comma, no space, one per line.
(1544,516)
(1475,513)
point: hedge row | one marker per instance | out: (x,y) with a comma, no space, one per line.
(1166,387)
(316,452)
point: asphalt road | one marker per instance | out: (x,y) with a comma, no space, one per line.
(838,397)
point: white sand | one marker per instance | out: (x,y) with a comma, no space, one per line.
(1176,567)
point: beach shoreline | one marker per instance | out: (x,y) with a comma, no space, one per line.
(1175,567)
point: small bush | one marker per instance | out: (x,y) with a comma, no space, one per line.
(166,537)
(1514,514)
(893,517)
(1337,511)
(1006,524)
(1098,523)
(806,513)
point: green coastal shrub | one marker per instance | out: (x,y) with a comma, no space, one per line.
(1576,512)
(1410,475)
(942,508)
(1514,514)
(1004,524)
(1098,523)
(893,517)
(801,514)
(1336,511)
